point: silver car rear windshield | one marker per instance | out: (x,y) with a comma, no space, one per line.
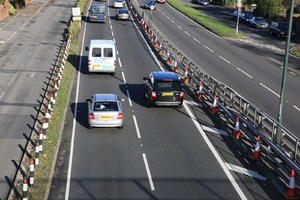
(106,106)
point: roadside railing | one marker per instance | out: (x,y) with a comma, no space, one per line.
(230,102)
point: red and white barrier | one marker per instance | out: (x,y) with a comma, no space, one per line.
(214,108)
(237,131)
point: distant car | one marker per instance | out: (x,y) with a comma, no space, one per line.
(201,2)
(246,16)
(280,30)
(163,89)
(97,13)
(105,110)
(118,3)
(161,1)
(122,14)
(258,22)
(150,4)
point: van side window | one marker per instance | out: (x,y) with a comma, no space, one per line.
(108,52)
(96,52)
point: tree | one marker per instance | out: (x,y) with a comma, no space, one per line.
(268,8)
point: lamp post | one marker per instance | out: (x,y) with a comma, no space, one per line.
(239,5)
(278,136)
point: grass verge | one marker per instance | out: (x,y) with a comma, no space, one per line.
(50,145)
(295,51)
(206,21)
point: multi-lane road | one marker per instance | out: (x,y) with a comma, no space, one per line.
(161,153)
(251,71)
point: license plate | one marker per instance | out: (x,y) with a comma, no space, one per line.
(96,65)
(106,117)
(94,16)
(167,93)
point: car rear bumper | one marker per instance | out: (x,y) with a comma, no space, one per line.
(110,123)
(108,70)
(123,17)
(167,103)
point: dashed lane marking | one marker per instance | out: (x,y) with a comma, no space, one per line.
(270,90)
(136,127)
(180,27)
(172,21)
(187,33)
(209,49)
(196,40)
(12,79)
(244,72)
(123,76)
(120,62)
(296,107)
(215,130)
(148,172)
(2,94)
(245,171)
(129,98)
(224,59)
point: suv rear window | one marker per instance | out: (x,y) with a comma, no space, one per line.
(106,106)
(167,85)
(96,52)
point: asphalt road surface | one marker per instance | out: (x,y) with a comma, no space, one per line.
(161,153)
(250,70)
(28,44)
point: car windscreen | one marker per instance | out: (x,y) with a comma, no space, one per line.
(106,106)
(167,85)
(97,10)
(96,52)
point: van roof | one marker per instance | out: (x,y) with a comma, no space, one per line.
(102,42)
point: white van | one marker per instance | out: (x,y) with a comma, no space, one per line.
(102,56)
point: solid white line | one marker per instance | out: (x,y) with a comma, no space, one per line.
(136,127)
(180,27)
(167,16)
(194,21)
(244,72)
(114,40)
(187,33)
(128,96)
(117,52)
(112,33)
(296,107)
(215,153)
(224,59)
(124,79)
(269,90)
(215,130)
(149,48)
(148,172)
(12,79)
(245,171)
(196,40)
(172,21)
(67,193)
(209,48)
(2,94)
(120,62)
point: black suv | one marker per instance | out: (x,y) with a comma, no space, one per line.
(280,30)
(163,89)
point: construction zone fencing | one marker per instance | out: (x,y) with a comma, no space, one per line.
(25,177)
(223,98)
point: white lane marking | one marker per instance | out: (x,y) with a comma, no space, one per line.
(114,40)
(187,33)
(172,21)
(293,73)
(128,96)
(117,52)
(193,21)
(244,72)
(149,48)
(215,130)
(293,107)
(1,95)
(112,33)
(136,127)
(193,103)
(32,74)
(209,48)
(124,79)
(67,193)
(196,40)
(215,153)
(224,59)
(245,171)
(167,16)
(120,62)
(276,61)
(269,90)
(179,27)
(148,172)
(12,79)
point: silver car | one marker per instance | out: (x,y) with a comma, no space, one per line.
(122,14)
(105,110)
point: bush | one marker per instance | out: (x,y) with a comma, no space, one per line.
(11,10)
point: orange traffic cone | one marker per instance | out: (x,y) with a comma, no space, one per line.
(215,108)
(237,131)
(175,68)
(256,155)
(156,42)
(291,193)
(186,76)
(200,91)
(152,38)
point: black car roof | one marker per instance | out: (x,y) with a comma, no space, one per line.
(165,75)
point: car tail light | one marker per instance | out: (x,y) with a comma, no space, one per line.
(91,116)
(89,62)
(120,115)
(115,64)
(181,94)
(153,94)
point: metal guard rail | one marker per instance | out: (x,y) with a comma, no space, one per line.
(230,101)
